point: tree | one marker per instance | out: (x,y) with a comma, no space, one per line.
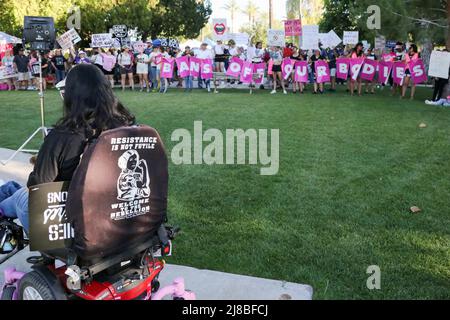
(338,16)
(311,11)
(251,10)
(232,6)
(270,13)
(293,9)
(7,19)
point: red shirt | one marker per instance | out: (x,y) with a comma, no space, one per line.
(287,52)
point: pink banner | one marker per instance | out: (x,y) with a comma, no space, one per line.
(207,69)
(247,72)
(287,67)
(194,66)
(235,67)
(417,69)
(398,72)
(183,66)
(259,68)
(342,68)
(293,28)
(322,71)
(369,69)
(158,59)
(270,72)
(355,67)
(167,68)
(384,71)
(301,71)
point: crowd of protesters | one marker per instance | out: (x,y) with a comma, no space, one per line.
(126,67)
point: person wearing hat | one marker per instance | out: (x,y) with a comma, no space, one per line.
(125,60)
(81,58)
(21,62)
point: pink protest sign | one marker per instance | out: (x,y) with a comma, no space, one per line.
(369,69)
(322,71)
(384,71)
(183,66)
(247,72)
(417,69)
(398,72)
(259,68)
(287,67)
(342,68)
(207,69)
(235,67)
(355,67)
(195,66)
(270,72)
(293,28)
(301,71)
(167,68)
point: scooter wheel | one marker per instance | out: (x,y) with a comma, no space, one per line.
(34,287)
(8,293)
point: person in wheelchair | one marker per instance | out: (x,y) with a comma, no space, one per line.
(90,108)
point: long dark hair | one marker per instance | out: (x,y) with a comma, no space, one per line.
(90,106)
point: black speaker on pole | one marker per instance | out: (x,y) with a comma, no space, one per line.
(39,32)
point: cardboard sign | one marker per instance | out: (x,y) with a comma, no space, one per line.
(293,28)
(276,38)
(417,69)
(120,31)
(220,29)
(301,71)
(310,37)
(439,64)
(101,40)
(68,39)
(380,43)
(351,37)
(333,39)
(241,39)
(7,72)
(49,228)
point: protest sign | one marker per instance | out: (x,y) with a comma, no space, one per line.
(439,64)
(287,67)
(183,66)
(310,37)
(398,72)
(369,70)
(139,46)
(355,67)
(68,39)
(417,69)
(194,66)
(366,44)
(293,28)
(120,31)
(247,72)
(235,67)
(167,68)
(333,39)
(390,44)
(101,40)
(380,43)
(259,69)
(207,69)
(220,29)
(241,39)
(351,37)
(7,72)
(384,71)
(322,71)
(301,71)
(342,68)
(276,38)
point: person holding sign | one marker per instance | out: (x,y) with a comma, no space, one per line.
(316,57)
(126,61)
(8,62)
(143,61)
(357,53)
(90,108)
(109,62)
(277,57)
(296,56)
(411,56)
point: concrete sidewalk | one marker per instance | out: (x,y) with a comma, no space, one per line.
(207,285)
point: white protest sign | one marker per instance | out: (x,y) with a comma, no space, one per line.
(139,46)
(68,39)
(241,39)
(7,72)
(101,40)
(439,64)
(276,38)
(333,39)
(323,39)
(220,29)
(366,44)
(351,37)
(380,43)
(310,37)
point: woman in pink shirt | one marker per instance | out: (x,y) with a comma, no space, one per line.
(412,55)
(109,62)
(357,53)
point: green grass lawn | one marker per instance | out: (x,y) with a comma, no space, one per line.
(350,169)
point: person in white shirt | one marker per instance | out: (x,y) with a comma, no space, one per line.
(219,57)
(126,60)
(143,60)
(204,53)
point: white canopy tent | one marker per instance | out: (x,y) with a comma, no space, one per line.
(6,38)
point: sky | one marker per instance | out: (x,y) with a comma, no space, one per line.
(279,8)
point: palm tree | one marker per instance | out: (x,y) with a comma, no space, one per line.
(251,10)
(293,9)
(270,13)
(233,7)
